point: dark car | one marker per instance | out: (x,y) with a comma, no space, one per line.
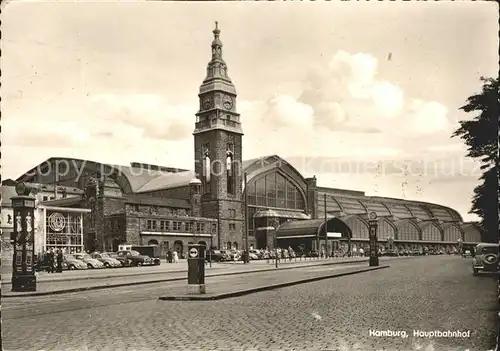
(152,251)
(134,258)
(214,256)
(486,258)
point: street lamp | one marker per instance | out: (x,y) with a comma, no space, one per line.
(276,226)
(460,245)
(247,255)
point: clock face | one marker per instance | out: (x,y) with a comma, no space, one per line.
(207,103)
(227,102)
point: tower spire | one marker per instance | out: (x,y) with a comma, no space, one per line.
(217,68)
(217,94)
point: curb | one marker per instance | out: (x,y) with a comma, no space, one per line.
(99,287)
(263,288)
(180,271)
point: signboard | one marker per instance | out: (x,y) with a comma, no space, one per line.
(333,235)
(193,252)
(7,218)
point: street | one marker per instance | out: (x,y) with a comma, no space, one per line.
(428,293)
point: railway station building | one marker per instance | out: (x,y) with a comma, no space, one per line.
(143,204)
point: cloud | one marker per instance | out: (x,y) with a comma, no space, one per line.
(286,111)
(147,115)
(348,95)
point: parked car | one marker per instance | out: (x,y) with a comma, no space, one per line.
(214,255)
(106,260)
(467,253)
(257,253)
(91,262)
(253,256)
(134,258)
(72,263)
(390,253)
(121,259)
(152,251)
(486,258)
(417,252)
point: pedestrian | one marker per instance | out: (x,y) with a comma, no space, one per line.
(51,261)
(175,257)
(59,261)
(169,256)
(46,261)
(361,252)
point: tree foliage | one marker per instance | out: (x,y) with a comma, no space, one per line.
(480,134)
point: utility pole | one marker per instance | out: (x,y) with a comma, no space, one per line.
(247,257)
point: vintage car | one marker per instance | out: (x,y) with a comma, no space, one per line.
(467,253)
(214,256)
(91,262)
(486,258)
(107,261)
(72,263)
(121,259)
(134,258)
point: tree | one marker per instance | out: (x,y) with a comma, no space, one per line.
(481,137)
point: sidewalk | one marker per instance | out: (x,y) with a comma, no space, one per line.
(161,269)
(49,284)
(241,285)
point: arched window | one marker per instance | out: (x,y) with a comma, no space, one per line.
(207,167)
(230,169)
(452,233)
(431,232)
(359,229)
(408,231)
(385,230)
(153,242)
(235,245)
(274,190)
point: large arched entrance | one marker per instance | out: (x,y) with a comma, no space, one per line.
(153,242)
(304,235)
(338,242)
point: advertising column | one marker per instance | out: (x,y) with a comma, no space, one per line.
(373,225)
(23,272)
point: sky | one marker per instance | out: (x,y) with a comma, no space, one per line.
(363,95)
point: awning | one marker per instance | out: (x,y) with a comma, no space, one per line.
(67,201)
(280,214)
(299,228)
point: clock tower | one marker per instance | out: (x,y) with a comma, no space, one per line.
(218,149)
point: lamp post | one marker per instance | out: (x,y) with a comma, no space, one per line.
(276,226)
(247,258)
(373,224)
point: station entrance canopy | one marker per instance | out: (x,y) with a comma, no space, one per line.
(312,228)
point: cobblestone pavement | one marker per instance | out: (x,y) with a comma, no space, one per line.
(428,293)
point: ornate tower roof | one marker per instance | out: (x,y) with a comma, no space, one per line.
(217,77)
(217,95)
